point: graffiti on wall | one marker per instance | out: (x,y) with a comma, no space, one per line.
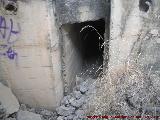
(8,36)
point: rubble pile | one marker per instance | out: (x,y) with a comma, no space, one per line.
(74,105)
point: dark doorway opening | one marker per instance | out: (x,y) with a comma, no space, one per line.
(82,50)
(92,39)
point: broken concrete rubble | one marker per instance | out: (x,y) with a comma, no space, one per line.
(65,111)
(76,102)
(25,115)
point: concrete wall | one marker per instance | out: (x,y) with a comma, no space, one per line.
(126,24)
(71,11)
(72,59)
(30,56)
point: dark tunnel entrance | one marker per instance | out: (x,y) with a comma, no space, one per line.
(82,52)
(92,39)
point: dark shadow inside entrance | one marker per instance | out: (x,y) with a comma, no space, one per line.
(92,39)
(82,50)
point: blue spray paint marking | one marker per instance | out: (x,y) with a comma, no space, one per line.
(3,27)
(10,53)
(6,31)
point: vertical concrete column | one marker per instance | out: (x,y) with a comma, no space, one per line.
(125,26)
(31,61)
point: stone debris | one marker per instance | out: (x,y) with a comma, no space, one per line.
(65,111)
(60,118)
(74,105)
(78,103)
(77,94)
(25,115)
(8,100)
(83,88)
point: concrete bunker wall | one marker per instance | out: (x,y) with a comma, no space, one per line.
(71,54)
(29,53)
(73,11)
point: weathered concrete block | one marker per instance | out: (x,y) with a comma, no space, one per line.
(8,100)
(71,11)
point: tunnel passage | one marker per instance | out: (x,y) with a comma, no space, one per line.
(82,49)
(92,38)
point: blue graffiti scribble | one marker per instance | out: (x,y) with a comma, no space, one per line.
(3,27)
(7,29)
(10,53)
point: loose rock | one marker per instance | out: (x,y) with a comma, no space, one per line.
(65,111)
(60,118)
(78,103)
(77,94)
(83,88)
(25,115)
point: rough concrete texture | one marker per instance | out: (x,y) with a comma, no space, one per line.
(126,24)
(8,100)
(71,11)
(72,59)
(29,54)
(131,86)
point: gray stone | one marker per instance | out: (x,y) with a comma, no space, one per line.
(78,103)
(65,111)
(83,88)
(25,115)
(71,11)
(76,118)
(46,113)
(60,118)
(70,117)
(8,100)
(72,99)
(77,94)
(65,100)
